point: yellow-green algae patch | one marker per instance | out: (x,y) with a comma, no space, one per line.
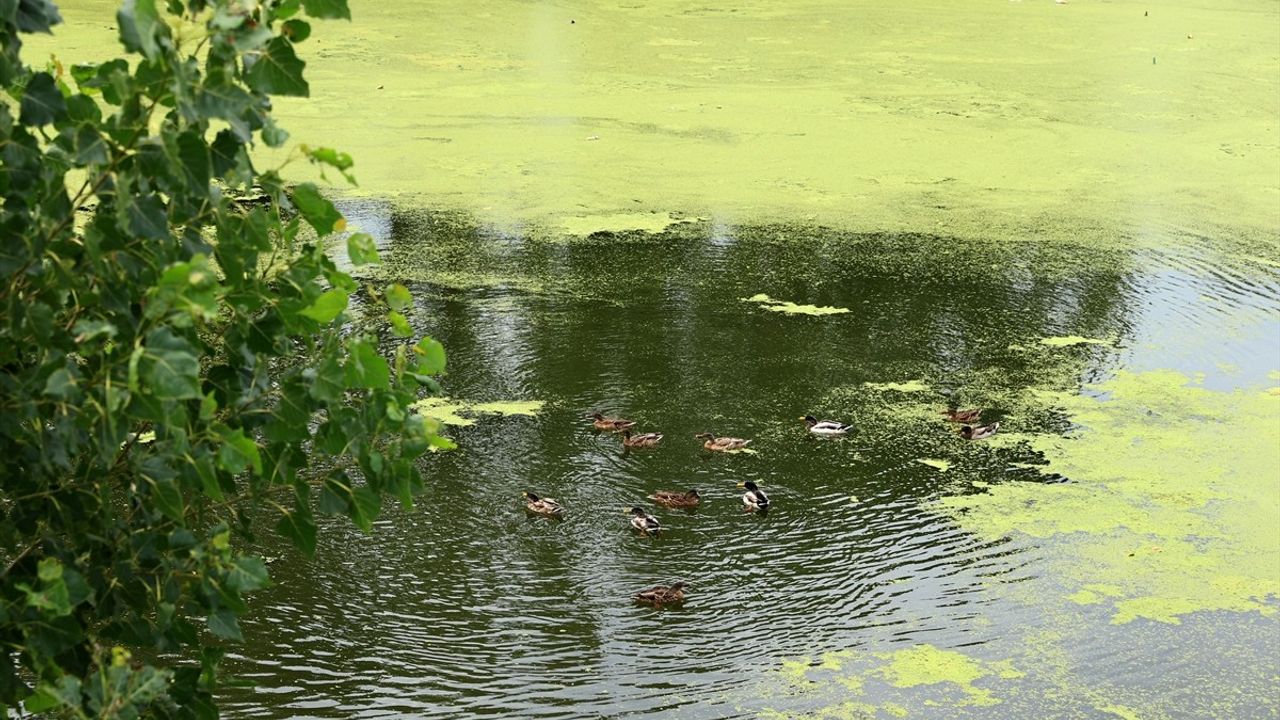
(451,412)
(910,386)
(1171,503)
(941,465)
(928,665)
(1070,340)
(790,308)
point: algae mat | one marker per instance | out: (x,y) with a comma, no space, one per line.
(995,119)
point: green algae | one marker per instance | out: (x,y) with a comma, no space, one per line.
(453,412)
(790,308)
(1071,340)
(928,665)
(941,465)
(1171,503)
(910,386)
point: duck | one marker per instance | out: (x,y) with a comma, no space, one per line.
(722,444)
(825,427)
(676,499)
(611,424)
(754,498)
(981,432)
(542,506)
(963,416)
(672,594)
(643,440)
(643,521)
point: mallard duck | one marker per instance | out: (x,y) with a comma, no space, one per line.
(611,424)
(541,505)
(676,499)
(643,440)
(643,521)
(754,498)
(979,433)
(722,444)
(825,427)
(663,594)
(963,416)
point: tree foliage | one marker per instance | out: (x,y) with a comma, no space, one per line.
(179,367)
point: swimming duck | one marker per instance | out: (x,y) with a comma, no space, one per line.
(643,440)
(542,506)
(754,498)
(676,499)
(663,594)
(643,521)
(611,424)
(825,427)
(963,416)
(979,433)
(722,444)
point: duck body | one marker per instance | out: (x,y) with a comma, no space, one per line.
(672,594)
(754,498)
(968,417)
(825,427)
(981,432)
(542,506)
(644,522)
(677,499)
(722,444)
(643,440)
(610,424)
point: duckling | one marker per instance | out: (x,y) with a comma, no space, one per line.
(542,506)
(677,499)
(663,594)
(825,427)
(979,433)
(754,498)
(722,444)
(644,440)
(643,521)
(963,416)
(611,424)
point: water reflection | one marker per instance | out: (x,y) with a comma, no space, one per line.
(467,606)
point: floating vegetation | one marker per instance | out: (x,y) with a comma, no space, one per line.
(941,465)
(790,308)
(451,412)
(910,386)
(1070,340)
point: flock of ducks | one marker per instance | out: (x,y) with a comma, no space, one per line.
(753,500)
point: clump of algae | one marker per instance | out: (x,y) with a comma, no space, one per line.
(1071,340)
(1171,505)
(790,308)
(451,412)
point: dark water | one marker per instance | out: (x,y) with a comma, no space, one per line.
(468,607)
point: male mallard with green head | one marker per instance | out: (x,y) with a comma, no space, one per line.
(542,506)
(979,433)
(825,427)
(643,440)
(721,444)
(611,424)
(677,499)
(672,594)
(643,521)
(754,498)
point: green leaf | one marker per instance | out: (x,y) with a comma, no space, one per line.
(225,624)
(361,250)
(319,212)
(273,135)
(169,368)
(327,9)
(365,368)
(327,380)
(238,452)
(167,497)
(431,358)
(62,384)
(398,297)
(399,325)
(141,28)
(90,148)
(277,70)
(296,30)
(34,16)
(193,153)
(364,507)
(42,104)
(299,527)
(328,306)
(247,574)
